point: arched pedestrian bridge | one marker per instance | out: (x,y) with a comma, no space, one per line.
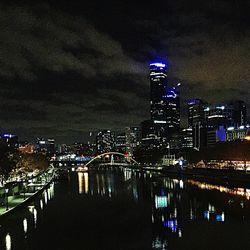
(111,160)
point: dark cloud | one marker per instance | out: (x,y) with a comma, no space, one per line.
(68,68)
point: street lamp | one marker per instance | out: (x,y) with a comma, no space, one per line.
(24,189)
(7,202)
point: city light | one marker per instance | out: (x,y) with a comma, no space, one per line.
(158,64)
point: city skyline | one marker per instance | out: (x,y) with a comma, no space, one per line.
(73,68)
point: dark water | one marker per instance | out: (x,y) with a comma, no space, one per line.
(121,209)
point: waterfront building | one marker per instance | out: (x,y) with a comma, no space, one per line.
(197,122)
(187,138)
(105,141)
(240,133)
(158,84)
(196,113)
(216,135)
(82,149)
(9,139)
(147,128)
(164,102)
(25,147)
(120,143)
(151,142)
(46,146)
(219,115)
(133,135)
(51,147)
(239,113)
(172,100)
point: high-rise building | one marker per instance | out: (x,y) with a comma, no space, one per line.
(120,143)
(104,141)
(147,128)
(51,147)
(25,147)
(10,140)
(239,133)
(172,100)
(158,85)
(164,101)
(197,121)
(187,138)
(239,113)
(133,135)
(219,115)
(196,113)
(46,145)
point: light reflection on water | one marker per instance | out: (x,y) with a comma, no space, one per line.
(174,204)
(235,191)
(8,242)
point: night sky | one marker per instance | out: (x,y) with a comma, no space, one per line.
(70,67)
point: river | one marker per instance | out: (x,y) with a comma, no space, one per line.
(124,209)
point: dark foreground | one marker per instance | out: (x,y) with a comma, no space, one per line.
(120,209)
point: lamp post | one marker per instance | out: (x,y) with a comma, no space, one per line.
(24,189)
(7,201)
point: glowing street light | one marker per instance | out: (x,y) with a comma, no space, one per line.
(7,201)
(24,190)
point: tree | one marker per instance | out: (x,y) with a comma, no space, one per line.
(7,161)
(31,162)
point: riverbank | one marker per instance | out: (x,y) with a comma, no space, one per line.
(17,194)
(209,174)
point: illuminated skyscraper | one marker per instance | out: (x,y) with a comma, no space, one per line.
(172,100)
(197,121)
(158,84)
(164,101)
(105,141)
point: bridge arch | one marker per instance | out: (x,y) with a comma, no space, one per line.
(111,153)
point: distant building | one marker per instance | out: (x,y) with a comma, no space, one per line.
(133,135)
(172,101)
(233,134)
(51,147)
(197,122)
(151,142)
(147,128)
(63,149)
(82,149)
(216,135)
(10,140)
(26,147)
(158,85)
(120,143)
(196,113)
(46,146)
(105,141)
(239,113)
(187,138)
(164,102)
(219,115)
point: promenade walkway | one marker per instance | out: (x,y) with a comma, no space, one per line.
(16,193)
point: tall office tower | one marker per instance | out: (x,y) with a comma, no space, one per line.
(165,102)
(158,85)
(104,141)
(172,100)
(196,112)
(51,146)
(217,116)
(239,113)
(197,121)
(10,140)
(133,135)
(120,143)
